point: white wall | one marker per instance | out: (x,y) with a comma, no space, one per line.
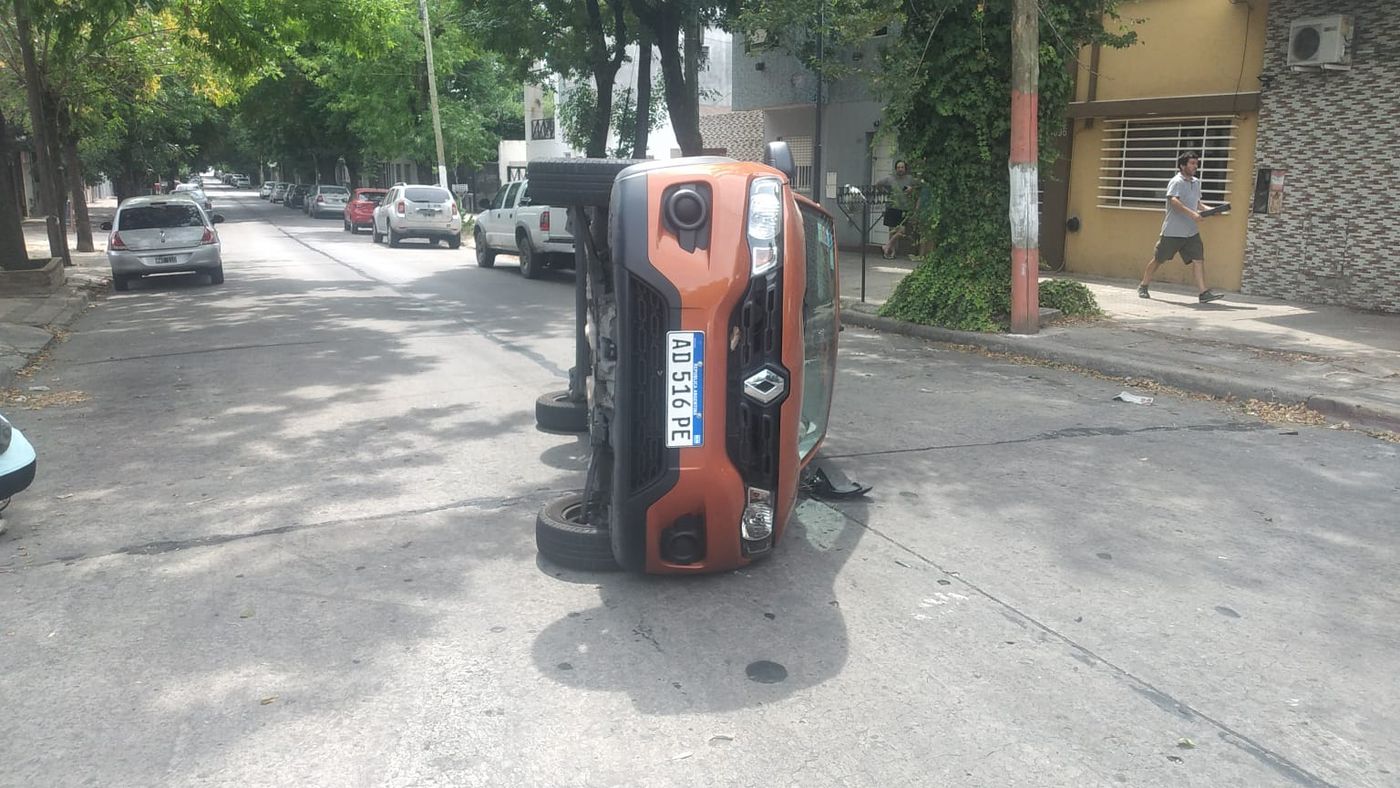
(716,82)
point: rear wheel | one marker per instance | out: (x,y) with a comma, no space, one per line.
(562,536)
(393,237)
(485,255)
(530,263)
(574,181)
(555,411)
(216,276)
(349,228)
(454,241)
(121,283)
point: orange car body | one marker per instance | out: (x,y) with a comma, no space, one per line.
(669,281)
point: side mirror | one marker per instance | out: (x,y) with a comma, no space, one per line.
(779,156)
(216,218)
(106,225)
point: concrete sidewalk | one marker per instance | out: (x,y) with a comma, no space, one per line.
(1341,362)
(28,324)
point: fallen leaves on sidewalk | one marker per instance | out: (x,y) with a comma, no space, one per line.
(35,400)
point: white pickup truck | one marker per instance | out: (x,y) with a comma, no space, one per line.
(538,234)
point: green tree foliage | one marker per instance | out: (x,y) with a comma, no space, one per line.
(946,81)
(952,65)
(576,115)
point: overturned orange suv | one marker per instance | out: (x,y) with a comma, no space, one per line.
(709,310)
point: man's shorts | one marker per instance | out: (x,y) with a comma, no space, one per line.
(894,217)
(1191,249)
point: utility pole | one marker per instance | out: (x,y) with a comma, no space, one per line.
(432,92)
(1025,208)
(818,177)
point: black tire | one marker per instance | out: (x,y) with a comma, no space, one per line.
(349,228)
(354,228)
(374,232)
(564,540)
(574,181)
(393,237)
(216,276)
(555,411)
(530,263)
(454,241)
(120,283)
(485,255)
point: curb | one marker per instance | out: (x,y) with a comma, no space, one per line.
(1210,383)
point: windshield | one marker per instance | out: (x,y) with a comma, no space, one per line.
(149,217)
(373,197)
(334,190)
(818,329)
(426,194)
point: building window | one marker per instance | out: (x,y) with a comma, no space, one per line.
(801,148)
(1139,157)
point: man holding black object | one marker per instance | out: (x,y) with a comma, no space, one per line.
(1179,232)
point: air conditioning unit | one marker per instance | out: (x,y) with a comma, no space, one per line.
(1320,42)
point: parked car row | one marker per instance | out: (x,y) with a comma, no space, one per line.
(510,224)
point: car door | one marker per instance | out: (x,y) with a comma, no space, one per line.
(381,215)
(500,232)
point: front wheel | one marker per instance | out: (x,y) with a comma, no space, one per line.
(374,232)
(557,412)
(562,536)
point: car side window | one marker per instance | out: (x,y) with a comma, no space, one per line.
(524,198)
(510,195)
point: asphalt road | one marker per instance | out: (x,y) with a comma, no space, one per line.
(288,540)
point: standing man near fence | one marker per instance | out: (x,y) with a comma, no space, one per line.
(1180,234)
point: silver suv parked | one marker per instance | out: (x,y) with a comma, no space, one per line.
(418,212)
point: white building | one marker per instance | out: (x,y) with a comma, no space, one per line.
(544,137)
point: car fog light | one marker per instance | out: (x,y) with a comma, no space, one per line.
(758,515)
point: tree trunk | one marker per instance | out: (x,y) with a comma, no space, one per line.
(50,191)
(682,102)
(76,187)
(643,130)
(12,247)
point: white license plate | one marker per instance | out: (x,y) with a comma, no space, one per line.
(685,386)
(165,259)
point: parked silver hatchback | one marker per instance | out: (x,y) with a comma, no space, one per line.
(158,235)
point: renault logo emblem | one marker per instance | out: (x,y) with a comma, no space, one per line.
(764,386)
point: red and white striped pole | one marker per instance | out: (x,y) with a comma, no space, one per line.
(1025,203)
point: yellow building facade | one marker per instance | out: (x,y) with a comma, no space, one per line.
(1191,82)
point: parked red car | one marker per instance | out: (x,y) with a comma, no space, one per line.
(359,210)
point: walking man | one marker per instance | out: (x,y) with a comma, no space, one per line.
(1179,232)
(901,186)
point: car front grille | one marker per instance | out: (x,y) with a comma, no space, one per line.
(753,428)
(648,394)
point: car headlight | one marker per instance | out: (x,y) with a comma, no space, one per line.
(6,434)
(765,224)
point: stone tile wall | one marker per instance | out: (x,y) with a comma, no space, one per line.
(1336,134)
